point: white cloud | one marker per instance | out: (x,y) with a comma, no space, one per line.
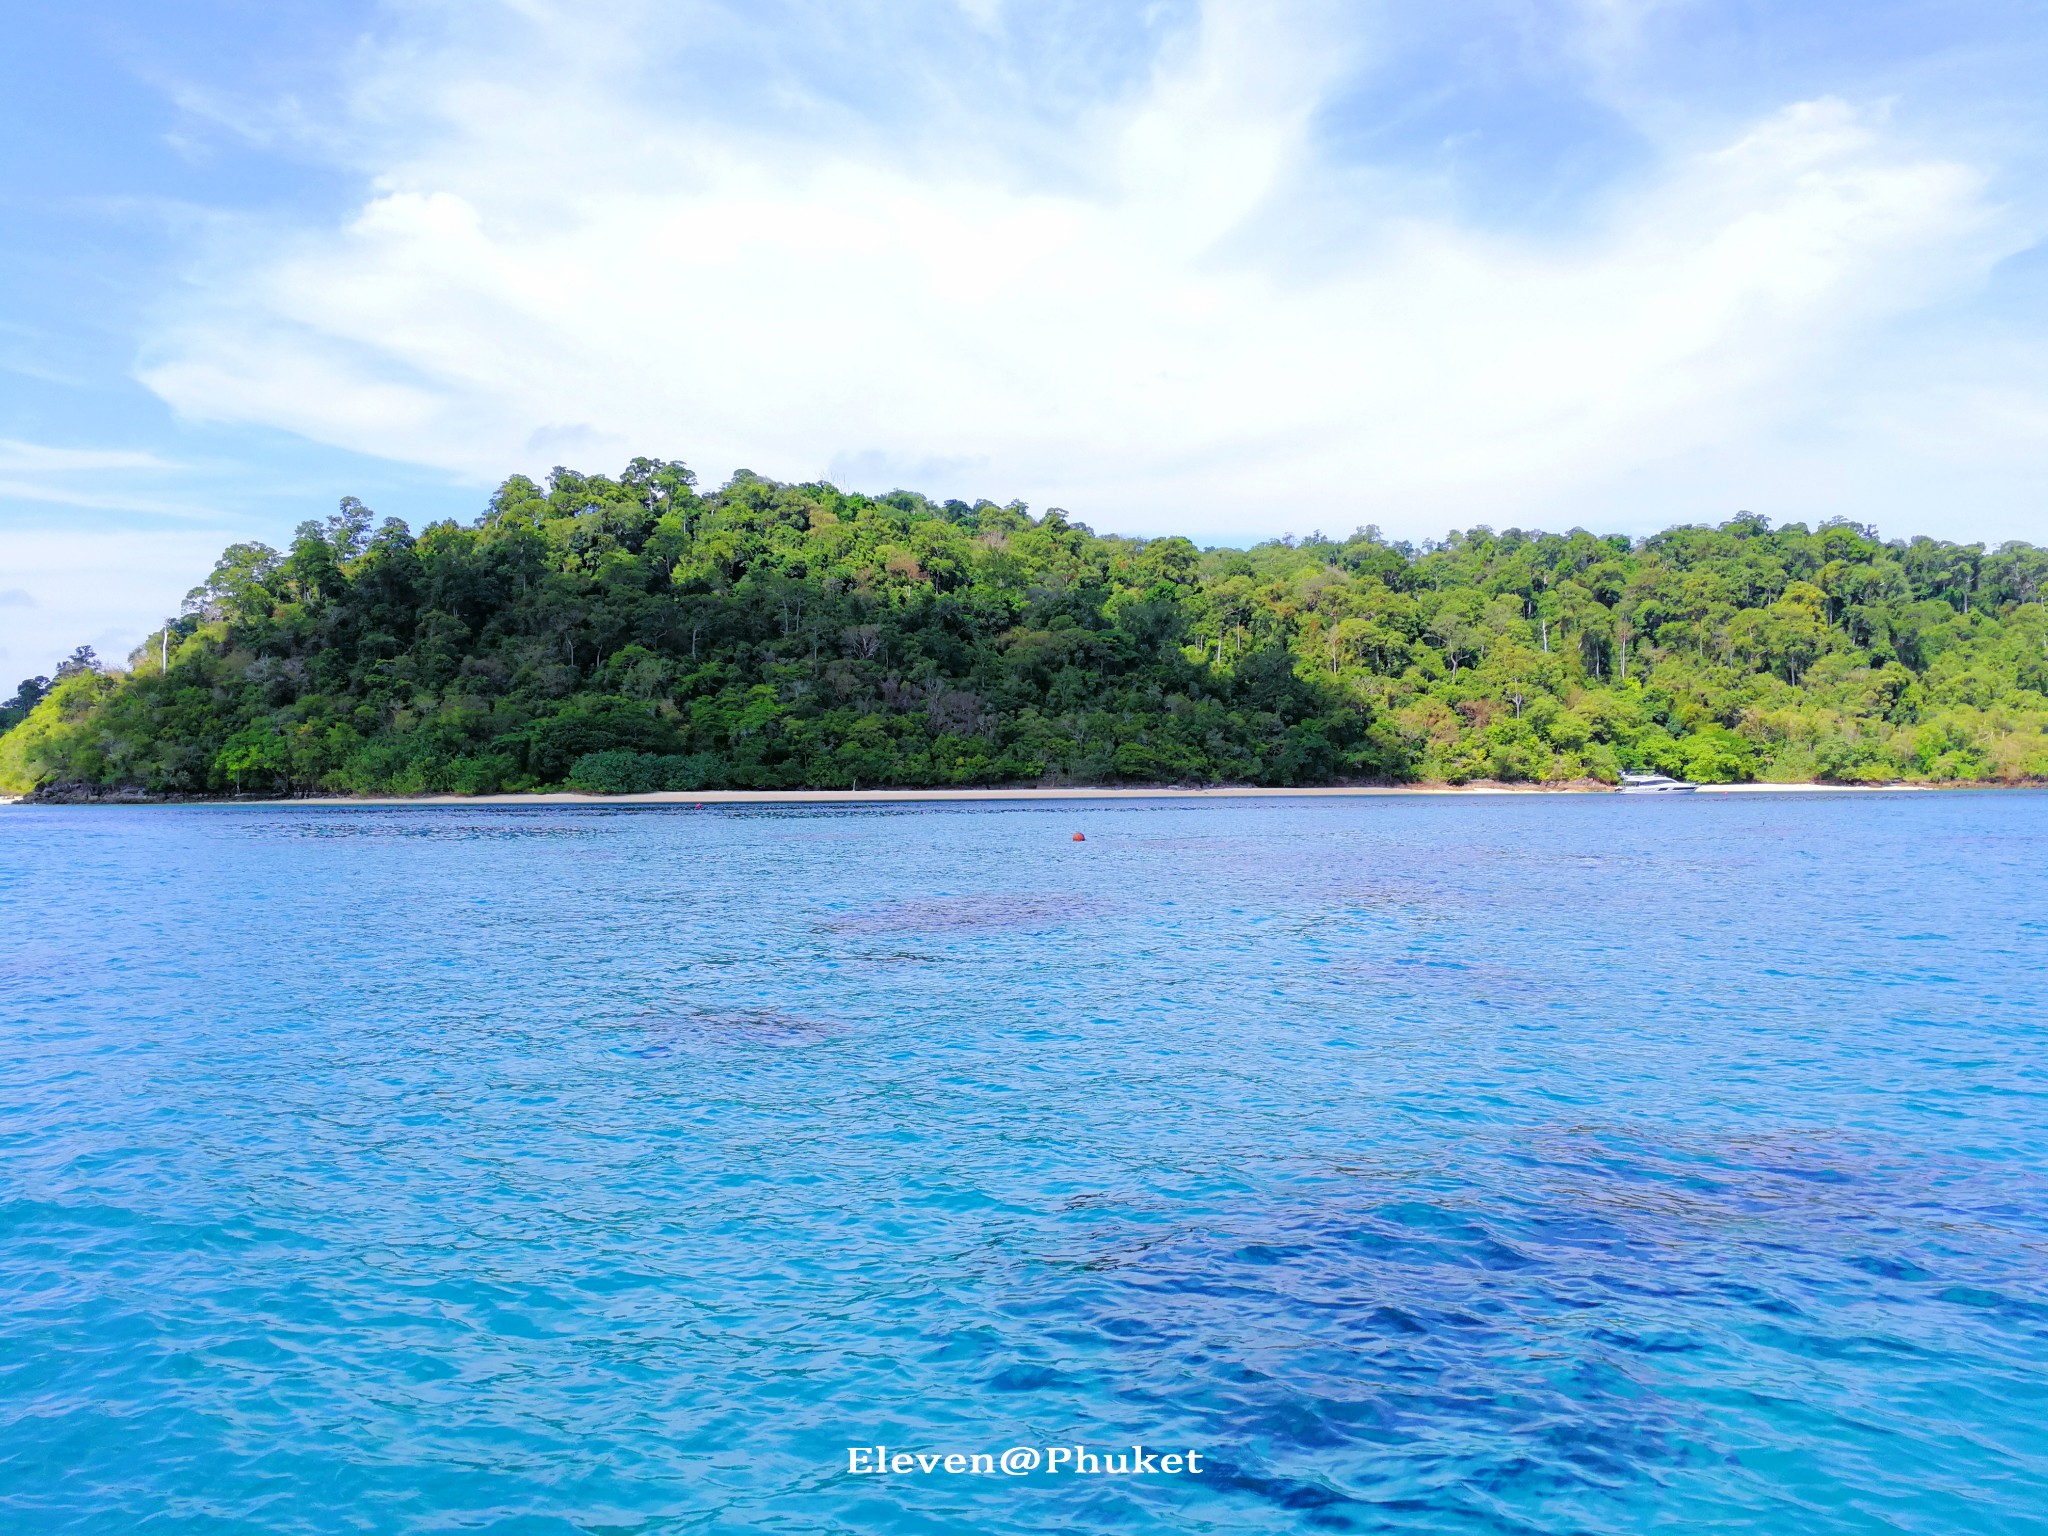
(60,495)
(104,479)
(35,458)
(579,273)
(68,587)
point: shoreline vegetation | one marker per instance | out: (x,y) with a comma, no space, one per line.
(631,639)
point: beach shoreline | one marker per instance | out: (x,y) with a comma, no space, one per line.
(1070,794)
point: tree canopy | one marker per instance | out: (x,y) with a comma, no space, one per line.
(628,632)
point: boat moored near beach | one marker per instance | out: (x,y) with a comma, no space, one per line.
(1654,784)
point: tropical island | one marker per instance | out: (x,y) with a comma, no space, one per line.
(632,634)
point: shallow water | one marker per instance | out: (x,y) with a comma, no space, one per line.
(1560,1164)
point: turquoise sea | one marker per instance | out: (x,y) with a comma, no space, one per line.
(1524,1164)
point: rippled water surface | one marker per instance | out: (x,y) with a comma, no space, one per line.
(1555,1164)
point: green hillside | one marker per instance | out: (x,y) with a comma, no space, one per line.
(630,633)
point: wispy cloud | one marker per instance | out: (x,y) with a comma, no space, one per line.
(73,586)
(1103,305)
(100,479)
(35,458)
(48,494)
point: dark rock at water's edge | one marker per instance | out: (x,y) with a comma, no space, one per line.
(84,792)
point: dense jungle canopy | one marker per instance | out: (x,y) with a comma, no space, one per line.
(632,633)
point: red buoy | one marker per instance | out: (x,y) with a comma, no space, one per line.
(1080,837)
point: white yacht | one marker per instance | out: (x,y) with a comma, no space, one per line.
(1654,784)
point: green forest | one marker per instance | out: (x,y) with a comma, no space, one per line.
(631,633)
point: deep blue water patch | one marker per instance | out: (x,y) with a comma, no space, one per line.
(1535,1165)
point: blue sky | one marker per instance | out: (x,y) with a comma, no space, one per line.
(1226,267)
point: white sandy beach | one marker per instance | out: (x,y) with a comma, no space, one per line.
(927,796)
(939,796)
